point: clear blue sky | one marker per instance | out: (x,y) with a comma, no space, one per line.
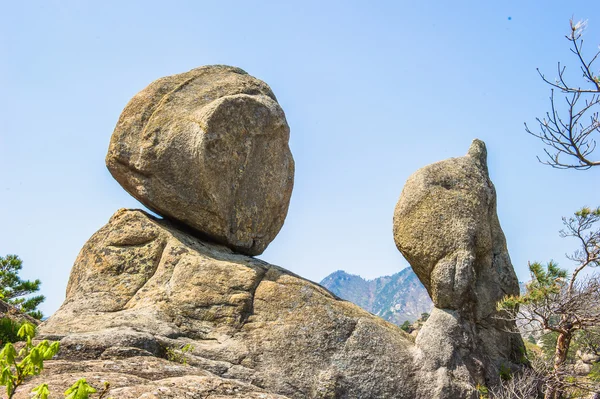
(372,92)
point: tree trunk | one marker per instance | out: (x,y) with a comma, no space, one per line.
(555,389)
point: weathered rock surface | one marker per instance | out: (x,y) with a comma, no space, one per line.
(162,313)
(208,148)
(148,378)
(445,224)
(141,287)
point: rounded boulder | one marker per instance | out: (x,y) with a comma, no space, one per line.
(208,148)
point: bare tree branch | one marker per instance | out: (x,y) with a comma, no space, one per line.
(566,305)
(571,132)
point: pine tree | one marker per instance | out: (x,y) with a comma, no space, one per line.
(16,291)
(565,307)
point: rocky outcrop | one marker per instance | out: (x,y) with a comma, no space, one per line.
(445,224)
(9,311)
(143,377)
(141,288)
(173,307)
(147,292)
(208,148)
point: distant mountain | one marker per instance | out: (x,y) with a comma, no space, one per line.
(395,298)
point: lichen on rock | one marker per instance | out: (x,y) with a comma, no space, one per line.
(208,148)
(446,226)
(245,319)
(175,307)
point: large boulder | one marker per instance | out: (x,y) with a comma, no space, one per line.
(162,313)
(446,226)
(208,148)
(141,289)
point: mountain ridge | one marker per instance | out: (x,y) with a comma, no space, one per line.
(395,298)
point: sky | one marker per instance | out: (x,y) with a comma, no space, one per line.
(372,91)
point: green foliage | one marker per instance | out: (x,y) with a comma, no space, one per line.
(29,361)
(546,282)
(564,306)
(532,353)
(587,213)
(14,290)
(8,330)
(424,317)
(594,374)
(41,392)
(179,355)
(406,325)
(505,373)
(482,391)
(521,353)
(548,343)
(579,342)
(588,341)
(80,390)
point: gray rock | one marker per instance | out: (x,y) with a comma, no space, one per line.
(208,148)
(123,352)
(141,377)
(142,289)
(446,226)
(139,282)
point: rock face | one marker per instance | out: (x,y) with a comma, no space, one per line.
(141,288)
(446,226)
(142,377)
(165,308)
(208,148)
(396,298)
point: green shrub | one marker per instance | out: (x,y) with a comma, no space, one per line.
(29,361)
(8,330)
(17,292)
(16,367)
(179,355)
(594,374)
(482,391)
(505,373)
(406,326)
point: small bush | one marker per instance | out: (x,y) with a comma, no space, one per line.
(505,373)
(8,330)
(16,367)
(179,355)
(406,326)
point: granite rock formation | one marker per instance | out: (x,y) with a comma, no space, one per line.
(446,226)
(208,148)
(146,377)
(173,307)
(141,287)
